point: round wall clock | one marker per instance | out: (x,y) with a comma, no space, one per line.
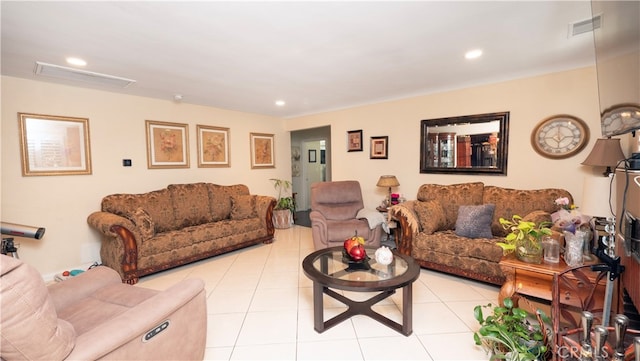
(560,136)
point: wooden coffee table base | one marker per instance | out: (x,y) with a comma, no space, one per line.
(361,308)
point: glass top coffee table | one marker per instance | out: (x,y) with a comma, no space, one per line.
(327,268)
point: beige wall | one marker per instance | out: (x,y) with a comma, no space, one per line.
(62,203)
(528,100)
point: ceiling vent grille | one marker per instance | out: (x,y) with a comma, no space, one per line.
(585,26)
(61,72)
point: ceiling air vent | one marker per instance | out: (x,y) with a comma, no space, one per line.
(585,26)
(61,72)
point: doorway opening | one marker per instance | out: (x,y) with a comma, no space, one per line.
(310,163)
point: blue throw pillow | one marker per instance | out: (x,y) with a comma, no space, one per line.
(475,221)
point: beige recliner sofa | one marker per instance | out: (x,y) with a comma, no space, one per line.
(94,316)
(337,213)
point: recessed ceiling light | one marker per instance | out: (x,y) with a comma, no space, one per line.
(473,54)
(280,103)
(76,61)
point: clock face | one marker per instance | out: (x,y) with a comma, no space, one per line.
(560,136)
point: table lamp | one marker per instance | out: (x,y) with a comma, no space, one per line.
(605,153)
(388,181)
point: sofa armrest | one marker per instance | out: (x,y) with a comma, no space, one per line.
(264,209)
(409,225)
(119,229)
(123,337)
(103,222)
(319,231)
(76,288)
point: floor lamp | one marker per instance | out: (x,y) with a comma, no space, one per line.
(605,153)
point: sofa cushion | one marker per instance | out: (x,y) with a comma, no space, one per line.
(220,199)
(449,242)
(157,203)
(510,202)
(144,222)
(451,197)
(475,221)
(430,215)
(538,217)
(30,329)
(243,207)
(191,205)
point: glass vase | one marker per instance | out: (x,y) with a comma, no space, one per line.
(529,251)
(551,250)
(574,248)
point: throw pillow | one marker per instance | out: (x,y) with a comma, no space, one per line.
(243,207)
(475,221)
(431,216)
(143,221)
(538,217)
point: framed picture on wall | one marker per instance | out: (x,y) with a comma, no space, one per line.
(354,140)
(167,145)
(54,145)
(379,147)
(312,155)
(262,150)
(213,146)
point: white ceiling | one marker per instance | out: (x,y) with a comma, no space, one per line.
(317,56)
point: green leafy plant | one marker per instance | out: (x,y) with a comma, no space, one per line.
(523,234)
(510,333)
(283,186)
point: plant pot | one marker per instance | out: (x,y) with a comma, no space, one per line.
(526,252)
(282,218)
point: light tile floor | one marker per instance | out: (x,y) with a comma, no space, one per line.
(259,307)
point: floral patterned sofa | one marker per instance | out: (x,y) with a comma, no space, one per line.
(454,228)
(150,232)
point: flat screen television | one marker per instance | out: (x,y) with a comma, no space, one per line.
(617,45)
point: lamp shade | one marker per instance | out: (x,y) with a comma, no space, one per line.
(597,193)
(388,181)
(605,153)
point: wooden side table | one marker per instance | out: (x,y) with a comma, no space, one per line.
(536,280)
(392,225)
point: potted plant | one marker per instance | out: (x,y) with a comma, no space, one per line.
(510,333)
(285,206)
(525,238)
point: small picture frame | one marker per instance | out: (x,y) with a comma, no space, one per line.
(312,155)
(54,145)
(262,150)
(379,147)
(354,140)
(213,147)
(167,145)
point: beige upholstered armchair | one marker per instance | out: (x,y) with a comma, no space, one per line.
(336,208)
(94,316)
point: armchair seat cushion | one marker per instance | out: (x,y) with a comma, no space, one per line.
(110,301)
(339,231)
